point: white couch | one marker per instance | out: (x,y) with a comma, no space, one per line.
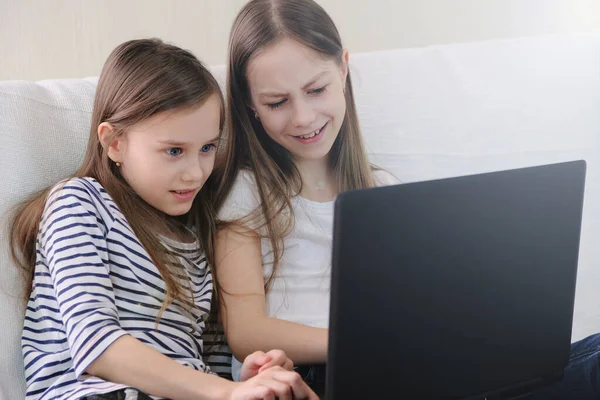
(426,113)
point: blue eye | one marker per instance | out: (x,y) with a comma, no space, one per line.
(175,151)
(207,147)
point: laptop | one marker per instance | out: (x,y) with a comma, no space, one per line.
(459,288)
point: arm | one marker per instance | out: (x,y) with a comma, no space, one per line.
(129,361)
(248,328)
(73,241)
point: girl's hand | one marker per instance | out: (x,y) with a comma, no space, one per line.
(259,361)
(273,383)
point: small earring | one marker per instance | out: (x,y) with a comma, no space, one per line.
(256,116)
(118,164)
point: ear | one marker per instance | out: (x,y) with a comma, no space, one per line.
(250,105)
(253,112)
(114,146)
(345,59)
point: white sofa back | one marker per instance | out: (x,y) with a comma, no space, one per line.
(426,113)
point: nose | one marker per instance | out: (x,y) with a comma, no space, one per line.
(195,170)
(303,114)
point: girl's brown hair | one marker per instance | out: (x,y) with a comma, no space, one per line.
(259,24)
(140,78)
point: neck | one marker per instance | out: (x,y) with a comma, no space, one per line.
(174,228)
(318,181)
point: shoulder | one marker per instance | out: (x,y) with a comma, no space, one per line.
(242,198)
(77,188)
(78,198)
(245,181)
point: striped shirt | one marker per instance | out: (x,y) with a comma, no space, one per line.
(94,282)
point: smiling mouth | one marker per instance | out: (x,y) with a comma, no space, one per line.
(312,134)
(184,195)
(182,191)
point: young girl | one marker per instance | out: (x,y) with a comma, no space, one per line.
(294,144)
(121,288)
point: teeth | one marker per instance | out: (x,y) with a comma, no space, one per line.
(311,135)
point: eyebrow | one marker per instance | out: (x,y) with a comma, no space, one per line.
(268,93)
(176,143)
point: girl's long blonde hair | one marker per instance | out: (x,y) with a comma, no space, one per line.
(140,78)
(259,24)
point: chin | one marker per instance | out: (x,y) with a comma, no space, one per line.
(316,155)
(177,212)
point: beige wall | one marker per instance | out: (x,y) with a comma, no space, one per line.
(71,38)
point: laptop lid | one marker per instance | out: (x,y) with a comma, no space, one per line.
(456,287)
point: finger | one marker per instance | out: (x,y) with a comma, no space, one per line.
(251,366)
(256,359)
(279,361)
(313,396)
(270,396)
(280,389)
(277,357)
(299,388)
(261,392)
(289,364)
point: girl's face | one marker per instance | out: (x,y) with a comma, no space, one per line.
(167,158)
(299,97)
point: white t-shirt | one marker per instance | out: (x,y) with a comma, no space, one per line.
(301,288)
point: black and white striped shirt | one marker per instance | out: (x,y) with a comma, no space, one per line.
(94,282)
